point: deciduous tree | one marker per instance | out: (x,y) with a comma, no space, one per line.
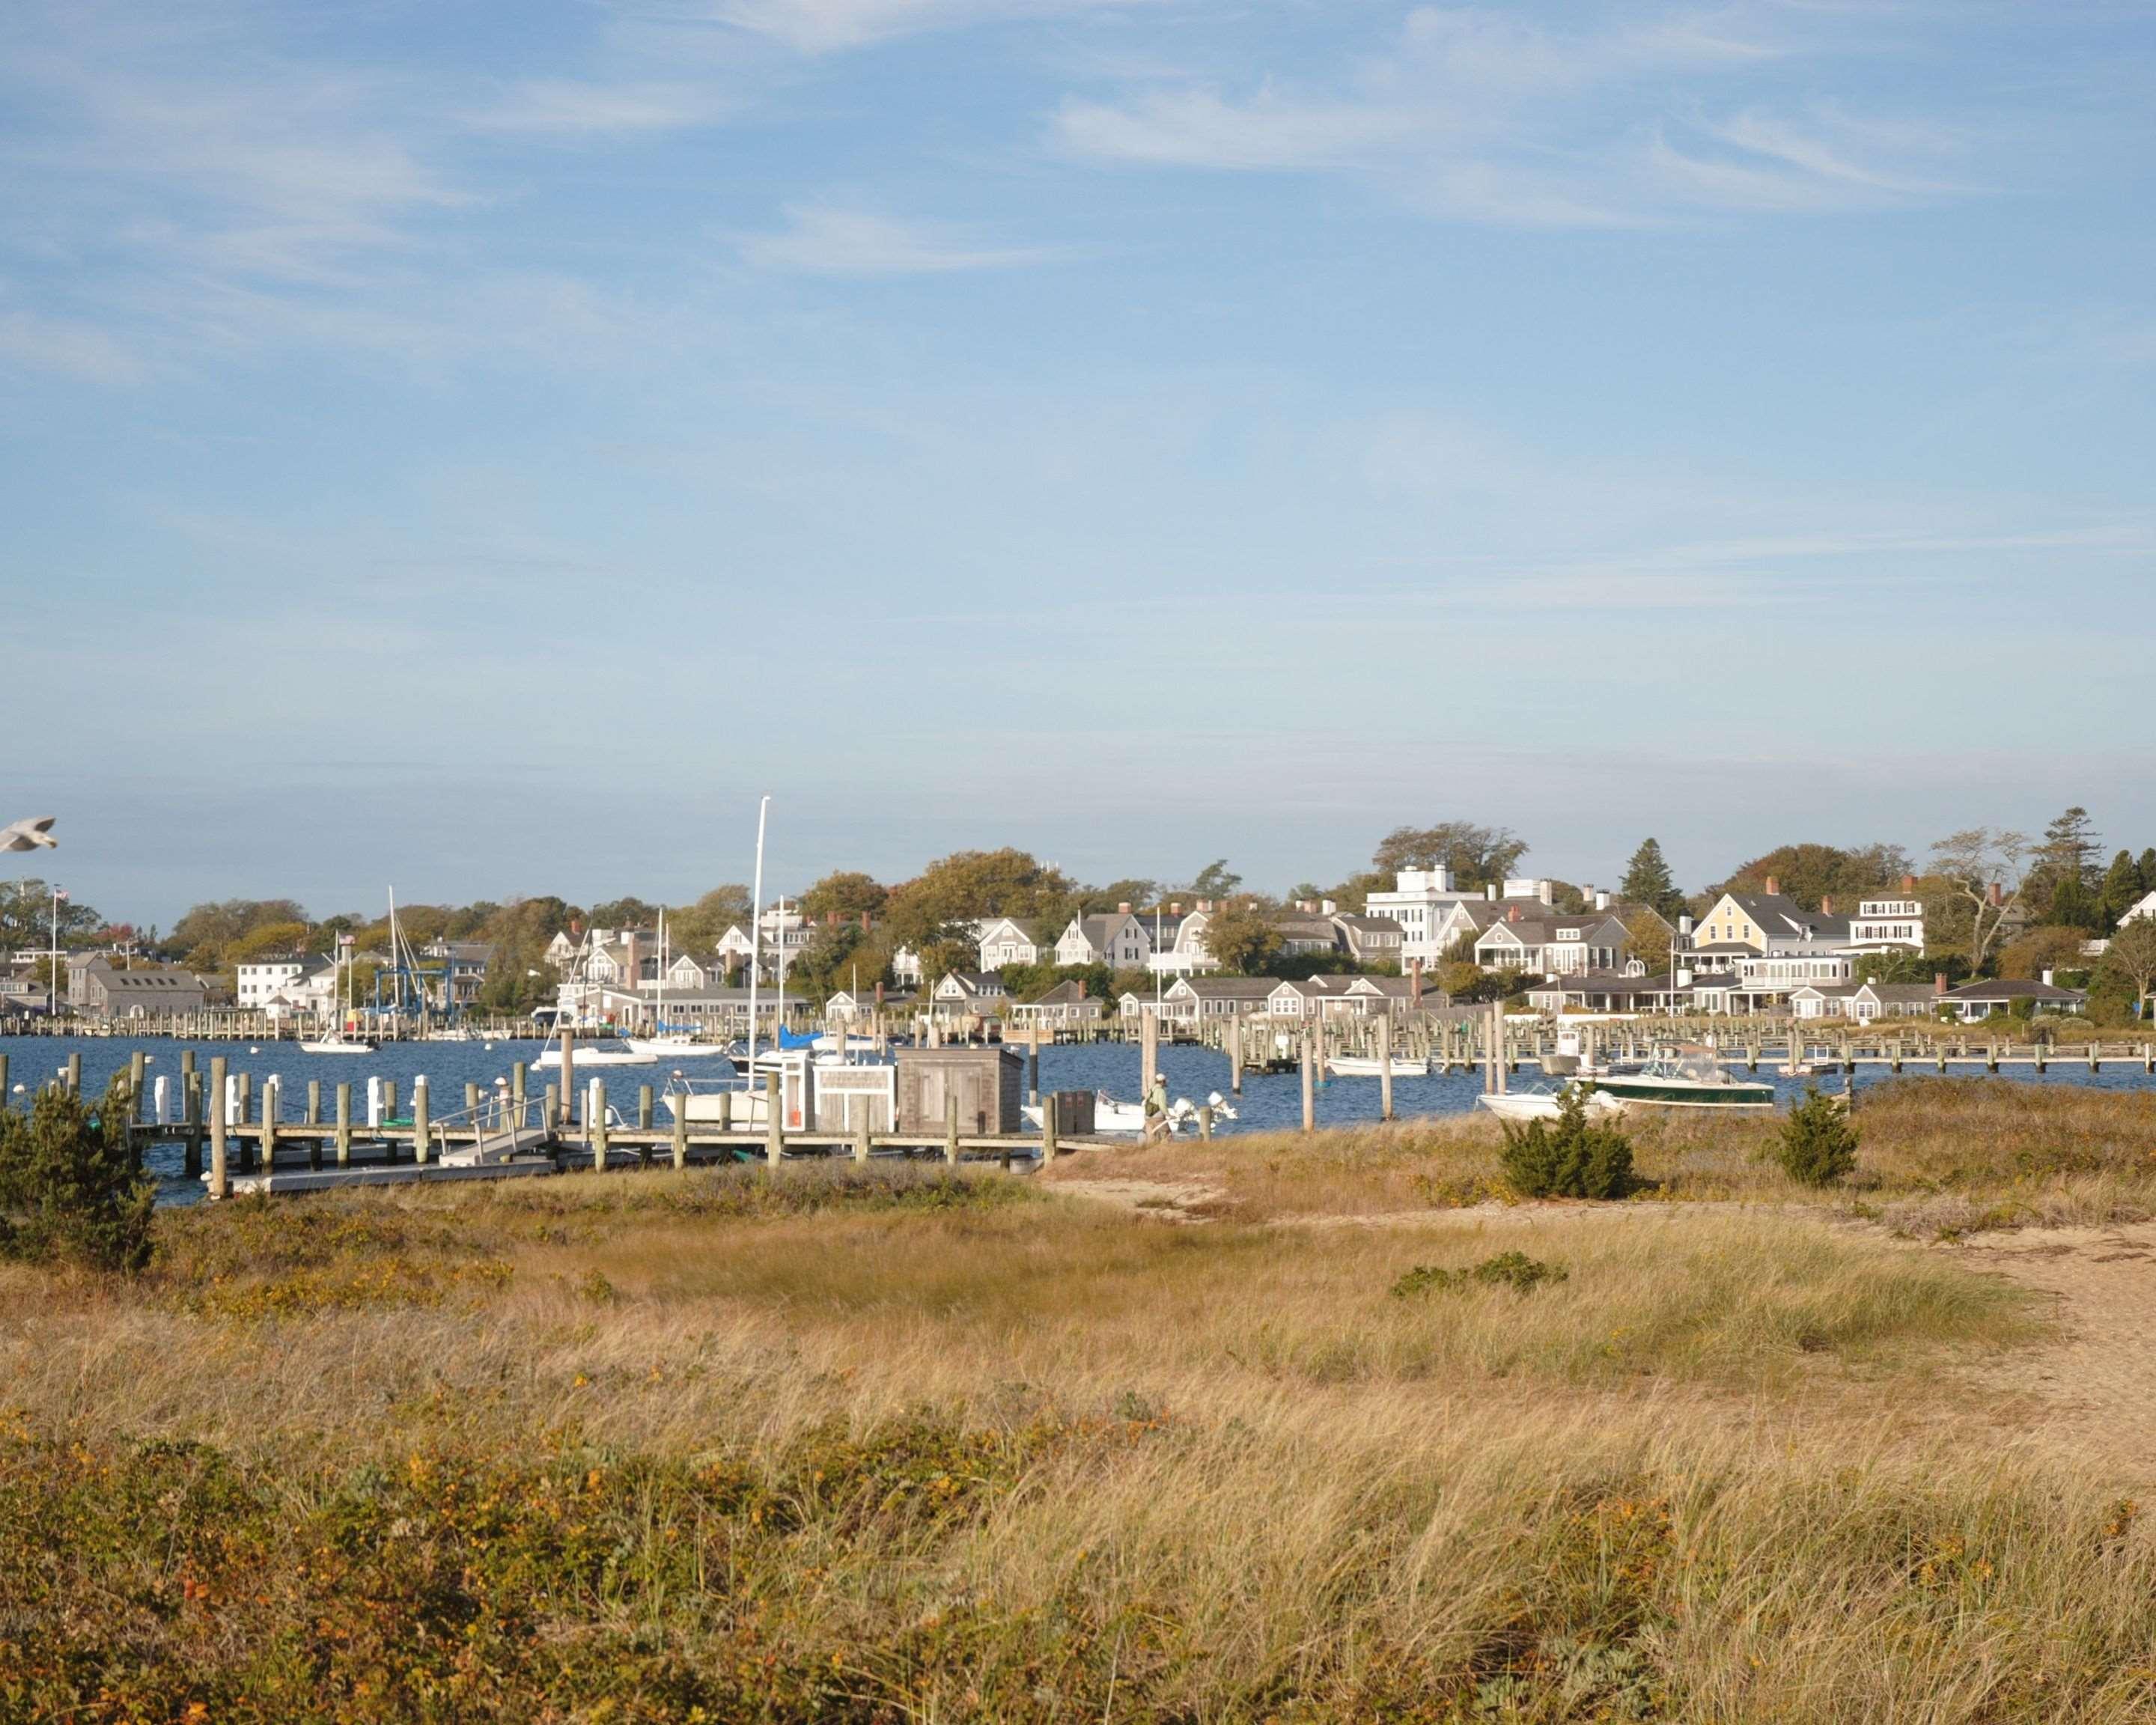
(1476,855)
(2131,957)
(1984,868)
(1242,938)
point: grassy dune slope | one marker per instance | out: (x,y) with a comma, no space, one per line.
(897,1446)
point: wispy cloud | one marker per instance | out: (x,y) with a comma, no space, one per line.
(570,109)
(820,241)
(820,26)
(67,347)
(1486,115)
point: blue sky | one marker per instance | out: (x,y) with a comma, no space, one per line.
(480,448)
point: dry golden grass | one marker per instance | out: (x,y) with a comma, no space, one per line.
(1938,1157)
(834,1446)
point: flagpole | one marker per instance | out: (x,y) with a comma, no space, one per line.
(55,977)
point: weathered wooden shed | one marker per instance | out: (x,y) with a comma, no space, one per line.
(988,1082)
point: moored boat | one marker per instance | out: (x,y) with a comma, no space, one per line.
(1370,1066)
(1686,1078)
(1546,1102)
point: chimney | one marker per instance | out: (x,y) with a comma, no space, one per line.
(1175,908)
(1773,887)
(1684,925)
(1826,905)
(2047,978)
(878,994)
(1328,906)
(1995,897)
(1511,913)
(1081,987)
(1908,887)
(1123,909)
(1601,899)
(864,919)
(576,929)
(1938,982)
(1206,905)
(1545,891)
(1490,891)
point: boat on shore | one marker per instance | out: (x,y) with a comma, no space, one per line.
(1686,1078)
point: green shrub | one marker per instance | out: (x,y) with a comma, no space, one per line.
(1515,1271)
(1569,1158)
(1818,1144)
(68,1186)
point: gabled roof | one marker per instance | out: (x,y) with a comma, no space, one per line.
(1068,993)
(1777,914)
(1596,927)
(1226,987)
(1358,923)
(2013,988)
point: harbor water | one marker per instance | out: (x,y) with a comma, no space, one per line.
(1269,1102)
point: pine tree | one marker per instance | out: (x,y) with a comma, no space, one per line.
(2146,868)
(1647,881)
(2123,888)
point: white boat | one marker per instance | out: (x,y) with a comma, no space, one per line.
(341,1042)
(1114,1119)
(676,1047)
(1543,1101)
(1686,1078)
(1370,1066)
(597,1054)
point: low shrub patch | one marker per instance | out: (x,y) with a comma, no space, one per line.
(1515,1271)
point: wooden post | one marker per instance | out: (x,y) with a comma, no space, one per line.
(1309,1083)
(595,1124)
(726,1110)
(1032,1060)
(517,1076)
(422,1125)
(74,1074)
(136,1068)
(344,1123)
(272,1106)
(1204,1121)
(1051,1131)
(472,1103)
(680,1134)
(950,1128)
(315,1118)
(644,1122)
(1235,1054)
(1385,1077)
(774,1121)
(1148,1049)
(549,1107)
(568,1073)
(220,1185)
(861,1134)
(191,1110)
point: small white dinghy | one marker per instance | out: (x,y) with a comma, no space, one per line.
(598,1054)
(1370,1066)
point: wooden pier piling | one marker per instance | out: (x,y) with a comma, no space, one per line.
(220,1183)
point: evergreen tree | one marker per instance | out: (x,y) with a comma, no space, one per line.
(2146,868)
(1647,881)
(2123,888)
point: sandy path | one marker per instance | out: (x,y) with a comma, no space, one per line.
(2093,1391)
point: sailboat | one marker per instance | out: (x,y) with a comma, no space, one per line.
(342,1042)
(674,1042)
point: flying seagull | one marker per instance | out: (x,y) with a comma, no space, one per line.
(29,835)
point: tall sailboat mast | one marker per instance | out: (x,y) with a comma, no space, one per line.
(755,925)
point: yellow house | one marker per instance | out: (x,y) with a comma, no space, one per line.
(1762,921)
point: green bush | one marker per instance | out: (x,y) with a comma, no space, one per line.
(68,1186)
(1818,1143)
(1515,1271)
(1569,1158)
